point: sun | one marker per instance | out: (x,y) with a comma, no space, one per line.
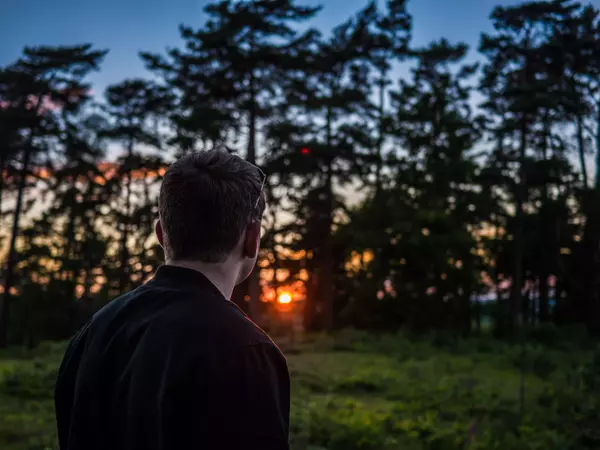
(284,297)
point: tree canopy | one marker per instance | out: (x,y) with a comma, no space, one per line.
(467,189)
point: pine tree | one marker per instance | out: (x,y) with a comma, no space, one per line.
(322,139)
(132,108)
(443,210)
(516,76)
(10,141)
(77,186)
(42,80)
(391,38)
(576,53)
(227,78)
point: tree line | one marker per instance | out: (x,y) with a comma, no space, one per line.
(394,202)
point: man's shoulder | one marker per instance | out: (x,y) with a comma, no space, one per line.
(197,321)
(204,317)
(222,323)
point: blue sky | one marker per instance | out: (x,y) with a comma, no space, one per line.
(127,26)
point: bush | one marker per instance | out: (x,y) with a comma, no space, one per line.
(564,337)
(385,392)
(359,384)
(536,359)
(340,424)
(30,382)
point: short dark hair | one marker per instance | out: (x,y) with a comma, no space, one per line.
(206,201)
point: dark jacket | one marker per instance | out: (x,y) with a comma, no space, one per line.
(172,365)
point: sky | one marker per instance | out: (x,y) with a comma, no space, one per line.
(126,27)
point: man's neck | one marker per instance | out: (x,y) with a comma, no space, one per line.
(218,274)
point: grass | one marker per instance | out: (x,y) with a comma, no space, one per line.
(365,392)
(26,403)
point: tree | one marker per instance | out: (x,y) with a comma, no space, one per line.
(391,39)
(43,80)
(516,76)
(425,263)
(77,187)
(322,139)
(227,77)
(576,50)
(133,108)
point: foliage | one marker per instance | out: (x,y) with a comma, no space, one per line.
(358,390)
(36,381)
(398,205)
(396,201)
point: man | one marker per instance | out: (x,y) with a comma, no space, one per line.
(175,364)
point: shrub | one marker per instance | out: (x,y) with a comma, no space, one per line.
(358,384)
(30,382)
(534,358)
(342,424)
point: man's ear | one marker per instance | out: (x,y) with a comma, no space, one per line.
(252,240)
(159,233)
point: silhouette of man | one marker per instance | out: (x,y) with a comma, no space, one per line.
(174,364)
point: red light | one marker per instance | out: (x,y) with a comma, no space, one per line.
(305,150)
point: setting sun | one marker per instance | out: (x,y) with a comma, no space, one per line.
(284,297)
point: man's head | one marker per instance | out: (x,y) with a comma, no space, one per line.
(210,208)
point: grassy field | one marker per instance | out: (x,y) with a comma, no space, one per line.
(360,391)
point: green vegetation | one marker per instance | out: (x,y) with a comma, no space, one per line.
(364,391)
(26,398)
(404,182)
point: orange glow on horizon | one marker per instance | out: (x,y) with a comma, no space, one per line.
(296,290)
(107,169)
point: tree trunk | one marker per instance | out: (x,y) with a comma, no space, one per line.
(545,238)
(87,278)
(254,279)
(11,261)
(69,251)
(543,299)
(380,138)
(251,150)
(311,295)
(466,313)
(143,259)
(597,180)
(581,149)
(593,231)
(526,308)
(477,315)
(2,177)
(326,291)
(87,222)
(521,194)
(124,278)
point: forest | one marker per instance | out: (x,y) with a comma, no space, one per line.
(456,205)
(465,193)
